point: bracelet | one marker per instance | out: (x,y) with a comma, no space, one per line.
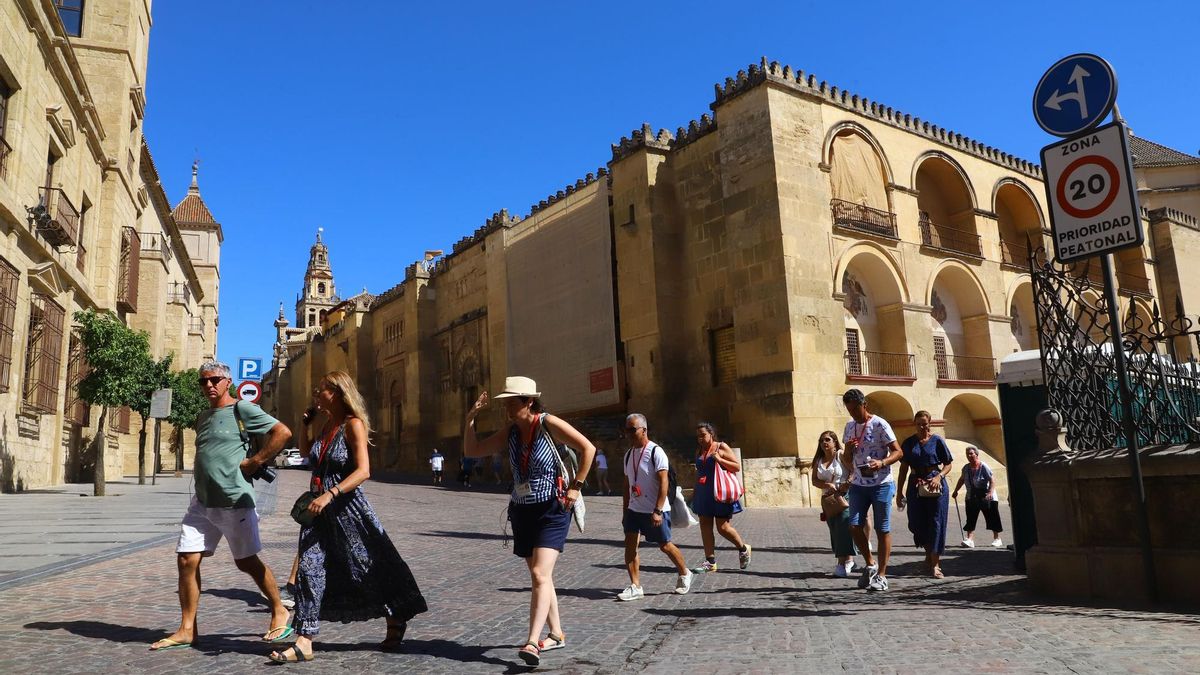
(339,491)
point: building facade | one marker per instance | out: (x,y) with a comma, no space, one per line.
(84,224)
(745,270)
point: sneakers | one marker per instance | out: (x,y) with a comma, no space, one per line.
(708,566)
(287,596)
(878,583)
(968,543)
(744,558)
(843,570)
(684,583)
(868,574)
(631,592)
(997,543)
(871,545)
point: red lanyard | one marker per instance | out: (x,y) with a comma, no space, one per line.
(325,443)
(637,467)
(528,446)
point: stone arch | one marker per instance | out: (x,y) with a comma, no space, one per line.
(1019,221)
(939,156)
(879,253)
(1022,187)
(960,324)
(873,295)
(894,408)
(973,419)
(961,272)
(1021,313)
(849,126)
(395,391)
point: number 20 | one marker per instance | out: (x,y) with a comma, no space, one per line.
(1095,185)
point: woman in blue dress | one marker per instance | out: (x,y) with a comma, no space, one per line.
(710,451)
(349,569)
(926,463)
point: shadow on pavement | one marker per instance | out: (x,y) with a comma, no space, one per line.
(252,598)
(585,593)
(743,612)
(103,631)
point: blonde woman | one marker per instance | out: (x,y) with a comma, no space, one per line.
(349,569)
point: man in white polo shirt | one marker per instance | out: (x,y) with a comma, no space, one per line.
(647,509)
(872,446)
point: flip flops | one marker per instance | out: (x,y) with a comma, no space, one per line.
(297,656)
(288,632)
(167,644)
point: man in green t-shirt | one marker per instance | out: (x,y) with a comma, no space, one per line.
(223,505)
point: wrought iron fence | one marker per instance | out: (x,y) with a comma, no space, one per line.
(1013,253)
(863,218)
(948,238)
(1080,369)
(879,364)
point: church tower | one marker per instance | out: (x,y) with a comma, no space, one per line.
(318,294)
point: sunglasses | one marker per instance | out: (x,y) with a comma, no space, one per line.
(214,381)
(632,430)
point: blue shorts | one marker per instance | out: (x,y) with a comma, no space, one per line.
(880,497)
(542,525)
(635,522)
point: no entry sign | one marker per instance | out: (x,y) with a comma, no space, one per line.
(1089,186)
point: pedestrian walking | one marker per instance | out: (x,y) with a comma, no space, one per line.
(465,466)
(709,452)
(288,594)
(349,569)
(872,447)
(981,497)
(436,462)
(223,503)
(647,508)
(540,507)
(923,471)
(602,486)
(831,474)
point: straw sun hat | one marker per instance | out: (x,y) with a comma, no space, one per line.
(519,386)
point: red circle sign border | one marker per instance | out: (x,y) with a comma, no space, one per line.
(1114,180)
(255,385)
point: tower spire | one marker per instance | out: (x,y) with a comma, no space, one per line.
(194,189)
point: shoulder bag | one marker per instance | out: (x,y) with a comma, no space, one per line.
(567,461)
(727,485)
(300,512)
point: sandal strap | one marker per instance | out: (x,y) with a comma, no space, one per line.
(536,648)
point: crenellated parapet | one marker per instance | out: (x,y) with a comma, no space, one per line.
(1174,215)
(772,71)
(641,138)
(601,173)
(694,131)
(498,220)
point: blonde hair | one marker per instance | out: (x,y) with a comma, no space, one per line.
(355,405)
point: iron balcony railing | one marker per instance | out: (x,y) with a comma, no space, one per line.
(196,325)
(1014,254)
(5,150)
(948,238)
(863,218)
(59,222)
(130,271)
(179,292)
(957,368)
(156,243)
(879,364)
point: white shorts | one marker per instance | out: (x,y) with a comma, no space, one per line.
(202,529)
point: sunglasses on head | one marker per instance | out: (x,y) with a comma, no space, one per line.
(214,380)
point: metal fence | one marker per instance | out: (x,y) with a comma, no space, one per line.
(1080,370)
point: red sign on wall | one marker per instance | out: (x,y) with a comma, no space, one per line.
(602,380)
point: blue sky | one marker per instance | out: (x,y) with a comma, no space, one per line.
(400,127)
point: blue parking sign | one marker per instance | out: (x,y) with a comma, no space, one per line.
(1074,95)
(250,369)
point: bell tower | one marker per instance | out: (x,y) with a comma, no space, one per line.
(318,294)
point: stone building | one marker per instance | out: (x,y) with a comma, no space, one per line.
(746,270)
(84,224)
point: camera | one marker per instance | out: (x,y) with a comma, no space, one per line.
(264,473)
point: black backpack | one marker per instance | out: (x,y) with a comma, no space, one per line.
(672,479)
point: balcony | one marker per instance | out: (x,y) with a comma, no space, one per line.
(879,366)
(5,151)
(179,293)
(196,326)
(1013,254)
(1133,284)
(956,369)
(55,217)
(127,284)
(947,238)
(156,244)
(864,219)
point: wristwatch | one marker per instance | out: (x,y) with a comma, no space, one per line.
(658,512)
(577,484)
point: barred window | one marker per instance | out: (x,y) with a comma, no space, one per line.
(75,408)
(853,353)
(118,420)
(723,355)
(8,318)
(43,354)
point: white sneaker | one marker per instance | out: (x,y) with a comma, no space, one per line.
(968,543)
(684,583)
(839,571)
(878,583)
(868,573)
(631,592)
(997,543)
(849,567)
(871,545)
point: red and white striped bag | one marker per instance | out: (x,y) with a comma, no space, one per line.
(727,486)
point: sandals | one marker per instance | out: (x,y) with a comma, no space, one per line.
(297,656)
(531,658)
(167,643)
(288,632)
(937,572)
(394,641)
(552,642)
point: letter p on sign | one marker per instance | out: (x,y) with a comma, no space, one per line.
(249,369)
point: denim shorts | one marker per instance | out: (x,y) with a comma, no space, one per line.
(880,497)
(634,522)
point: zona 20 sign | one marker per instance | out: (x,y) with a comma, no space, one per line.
(1089,186)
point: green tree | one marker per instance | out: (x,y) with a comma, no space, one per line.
(111,347)
(187,402)
(152,376)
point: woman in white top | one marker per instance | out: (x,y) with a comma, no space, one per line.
(831,473)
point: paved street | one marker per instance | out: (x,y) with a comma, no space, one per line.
(784,614)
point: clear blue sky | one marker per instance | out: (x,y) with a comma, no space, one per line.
(400,127)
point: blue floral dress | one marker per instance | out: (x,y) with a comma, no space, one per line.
(349,569)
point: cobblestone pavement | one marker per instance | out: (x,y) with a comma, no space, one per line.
(783,614)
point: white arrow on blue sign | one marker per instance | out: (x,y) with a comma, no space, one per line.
(1074,95)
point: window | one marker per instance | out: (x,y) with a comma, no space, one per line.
(71,13)
(43,354)
(5,147)
(321,288)
(118,420)
(8,318)
(75,409)
(853,353)
(939,357)
(723,354)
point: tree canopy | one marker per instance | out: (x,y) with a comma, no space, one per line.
(187,401)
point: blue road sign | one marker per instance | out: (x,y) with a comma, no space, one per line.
(1074,95)
(250,369)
